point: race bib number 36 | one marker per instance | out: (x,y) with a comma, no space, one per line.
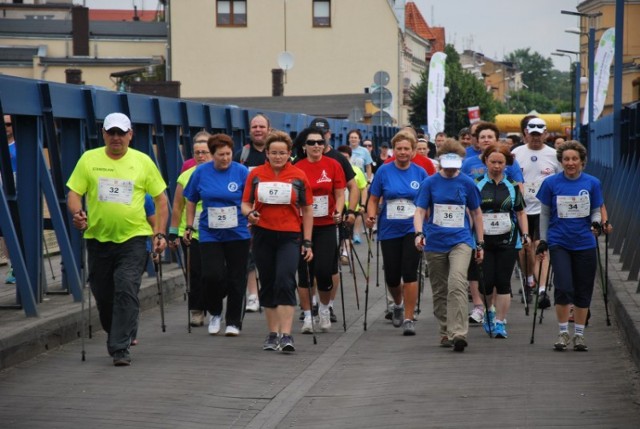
(115,190)
(573,207)
(274,193)
(448,216)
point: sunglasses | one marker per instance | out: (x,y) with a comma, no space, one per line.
(314,142)
(366,145)
(534,126)
(8,124)
(201,152)
(116,132)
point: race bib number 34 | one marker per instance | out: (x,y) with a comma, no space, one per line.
(573,207)
(448,216)
(115,190)
(274,193)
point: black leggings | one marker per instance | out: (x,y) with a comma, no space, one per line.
(497,268)
(325,258)
(401,259)
(224,273)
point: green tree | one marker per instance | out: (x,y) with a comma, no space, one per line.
(465,90)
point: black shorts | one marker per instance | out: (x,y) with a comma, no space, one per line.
(401,260)
(534,226)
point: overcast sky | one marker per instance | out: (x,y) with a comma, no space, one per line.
(497,27)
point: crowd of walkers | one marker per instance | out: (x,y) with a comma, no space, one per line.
(269,228)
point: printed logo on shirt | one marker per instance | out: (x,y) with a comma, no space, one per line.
(547,171)
(534,158)
(415,184)
(323,178)
(232,187)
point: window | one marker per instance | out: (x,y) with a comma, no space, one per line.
(231,13)
(322,13)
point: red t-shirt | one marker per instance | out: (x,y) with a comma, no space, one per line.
(325,177)
(421,161)
(269,193)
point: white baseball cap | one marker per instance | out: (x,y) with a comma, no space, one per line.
(117,120)
(536,125)
(450,160)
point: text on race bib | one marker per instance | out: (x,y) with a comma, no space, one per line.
(274,192)
(222,217)
(400,208)
(115,190)
(320,205)
(496,223)
(571,207)
(448,216)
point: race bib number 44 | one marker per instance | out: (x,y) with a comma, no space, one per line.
(115,190)
(274,192)
(496,223)
(448,216)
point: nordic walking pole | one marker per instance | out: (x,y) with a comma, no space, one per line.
(48,256)
(82,287)
(157,262)
(535,306)
(546,292)
(310,286)
(523,277)
(420,280)
(605,290)
(483,286)
(184,271)
(603,278)
(339,246)
(188,288)
(347,239)
(367,278)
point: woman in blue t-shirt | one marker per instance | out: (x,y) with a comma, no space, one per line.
(570,217)
(223,232)
(444,200)
(396,184)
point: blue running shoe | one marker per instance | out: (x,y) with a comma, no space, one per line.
(10,278)
(500,330)
(490,323)
(357,239)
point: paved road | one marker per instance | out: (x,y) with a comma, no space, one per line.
(374,378)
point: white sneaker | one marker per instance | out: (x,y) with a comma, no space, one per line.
(253,304)
(477,315)
(307,327)
(214,324)
(231,331)
(325,320)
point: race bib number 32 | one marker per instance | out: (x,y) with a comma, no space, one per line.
(115,190)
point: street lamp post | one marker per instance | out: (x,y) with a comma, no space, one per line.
(590,61)
(572,80)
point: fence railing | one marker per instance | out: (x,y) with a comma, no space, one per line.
(54,123)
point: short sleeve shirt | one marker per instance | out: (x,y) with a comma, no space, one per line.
(115,190)
(325,176)
(220,193)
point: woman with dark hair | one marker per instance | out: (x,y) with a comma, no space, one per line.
(360,156)
(278,202)
(327,184)
(504,222)
(570,217)
(223,233)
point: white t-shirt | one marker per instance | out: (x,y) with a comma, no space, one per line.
(536,166)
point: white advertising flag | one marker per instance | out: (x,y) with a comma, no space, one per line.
(435,94)
(601,72)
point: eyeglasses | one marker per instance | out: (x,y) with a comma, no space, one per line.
(8,124)
(534,126)
(314,142)
(366,145)
(201,152)
(116,132)
(278,153)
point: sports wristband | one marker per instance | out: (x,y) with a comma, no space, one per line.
(173,230)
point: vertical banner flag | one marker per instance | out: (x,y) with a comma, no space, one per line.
(435,94)
(474,114)
(601,73)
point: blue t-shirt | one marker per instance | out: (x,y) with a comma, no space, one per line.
(217,189)
(447,192)
(149,210)
(572,233)
(394,185)
(475,168)
(471,152)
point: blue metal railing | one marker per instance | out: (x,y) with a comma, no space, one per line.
(54,123)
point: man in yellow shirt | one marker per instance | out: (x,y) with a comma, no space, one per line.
(114,179)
